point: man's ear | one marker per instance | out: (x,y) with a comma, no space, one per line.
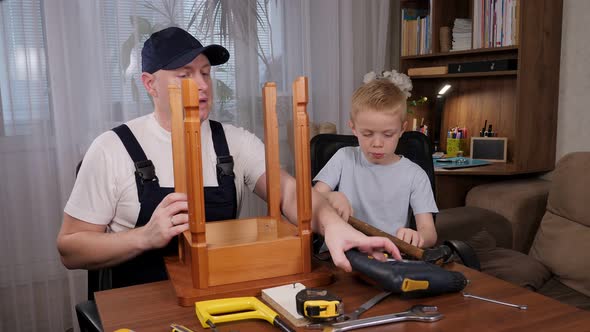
(148,83)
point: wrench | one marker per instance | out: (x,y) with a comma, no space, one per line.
(519,306)
(420,313)
(355,314)
(366,306)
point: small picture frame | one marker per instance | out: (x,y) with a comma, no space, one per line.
(492,149)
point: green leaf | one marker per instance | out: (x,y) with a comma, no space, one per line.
(142,25)
(126,49)
(143,28)
(224,92)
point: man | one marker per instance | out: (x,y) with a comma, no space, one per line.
(123,213)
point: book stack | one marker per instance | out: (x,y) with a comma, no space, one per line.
(416,31)
(461,34)
(495,23)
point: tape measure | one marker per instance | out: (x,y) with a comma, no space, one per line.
(318,304)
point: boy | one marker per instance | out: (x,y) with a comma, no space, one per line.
(372,180)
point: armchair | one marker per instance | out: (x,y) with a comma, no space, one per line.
(558,262)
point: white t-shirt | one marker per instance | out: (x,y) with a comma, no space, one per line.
(105,192)
(380,195)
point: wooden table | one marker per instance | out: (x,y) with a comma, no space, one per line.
(152,307)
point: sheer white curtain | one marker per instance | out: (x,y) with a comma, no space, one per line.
(347,39)
(69,70)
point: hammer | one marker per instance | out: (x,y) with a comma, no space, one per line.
(438,255)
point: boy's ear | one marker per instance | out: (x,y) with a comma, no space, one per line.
(404,126)
(351,125)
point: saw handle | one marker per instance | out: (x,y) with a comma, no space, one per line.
(237,308)
(403,246)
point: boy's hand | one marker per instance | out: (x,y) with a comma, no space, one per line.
(340,203)
(410,236)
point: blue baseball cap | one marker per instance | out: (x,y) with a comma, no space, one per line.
(173,48)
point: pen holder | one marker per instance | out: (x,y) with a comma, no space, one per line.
(455,145)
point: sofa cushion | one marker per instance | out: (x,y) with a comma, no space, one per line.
(556,290)
(570,188)
(562,242)
(564,247)
(522,202)
(506,264)
(462,223)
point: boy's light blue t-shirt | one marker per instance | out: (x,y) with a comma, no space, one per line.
(380,195)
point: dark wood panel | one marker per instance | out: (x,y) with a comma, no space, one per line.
(420,113)
(464,53)
(470,102)
(538,88)
(444,14)
(511,53)
(479,74)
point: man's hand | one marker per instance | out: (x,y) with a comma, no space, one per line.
(410,236)
(168,220)
(340,203)
(340,237)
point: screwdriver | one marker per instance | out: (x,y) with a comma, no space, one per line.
(519,306)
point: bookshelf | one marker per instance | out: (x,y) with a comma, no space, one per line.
(521,104)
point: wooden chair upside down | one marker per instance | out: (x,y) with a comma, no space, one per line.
(243,255)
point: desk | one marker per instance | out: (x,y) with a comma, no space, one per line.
(452,185)
(152,307)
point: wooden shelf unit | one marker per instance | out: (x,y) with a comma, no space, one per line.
(520,104)
(460,53)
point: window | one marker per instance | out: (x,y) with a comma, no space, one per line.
(123,20)
(122,44)
(224,76)
(24,92)
(24,88)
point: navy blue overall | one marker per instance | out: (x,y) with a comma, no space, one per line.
(220,204)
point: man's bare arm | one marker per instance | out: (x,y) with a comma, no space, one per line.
(83,245)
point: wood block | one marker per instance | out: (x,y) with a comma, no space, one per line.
(437,70)
(282,300)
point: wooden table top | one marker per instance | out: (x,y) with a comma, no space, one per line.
(153,307)
(496,168)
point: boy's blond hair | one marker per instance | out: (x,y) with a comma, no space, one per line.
(379,95)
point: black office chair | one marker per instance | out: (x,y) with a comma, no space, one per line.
(412,145)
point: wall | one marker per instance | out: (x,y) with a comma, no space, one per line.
(573,125)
